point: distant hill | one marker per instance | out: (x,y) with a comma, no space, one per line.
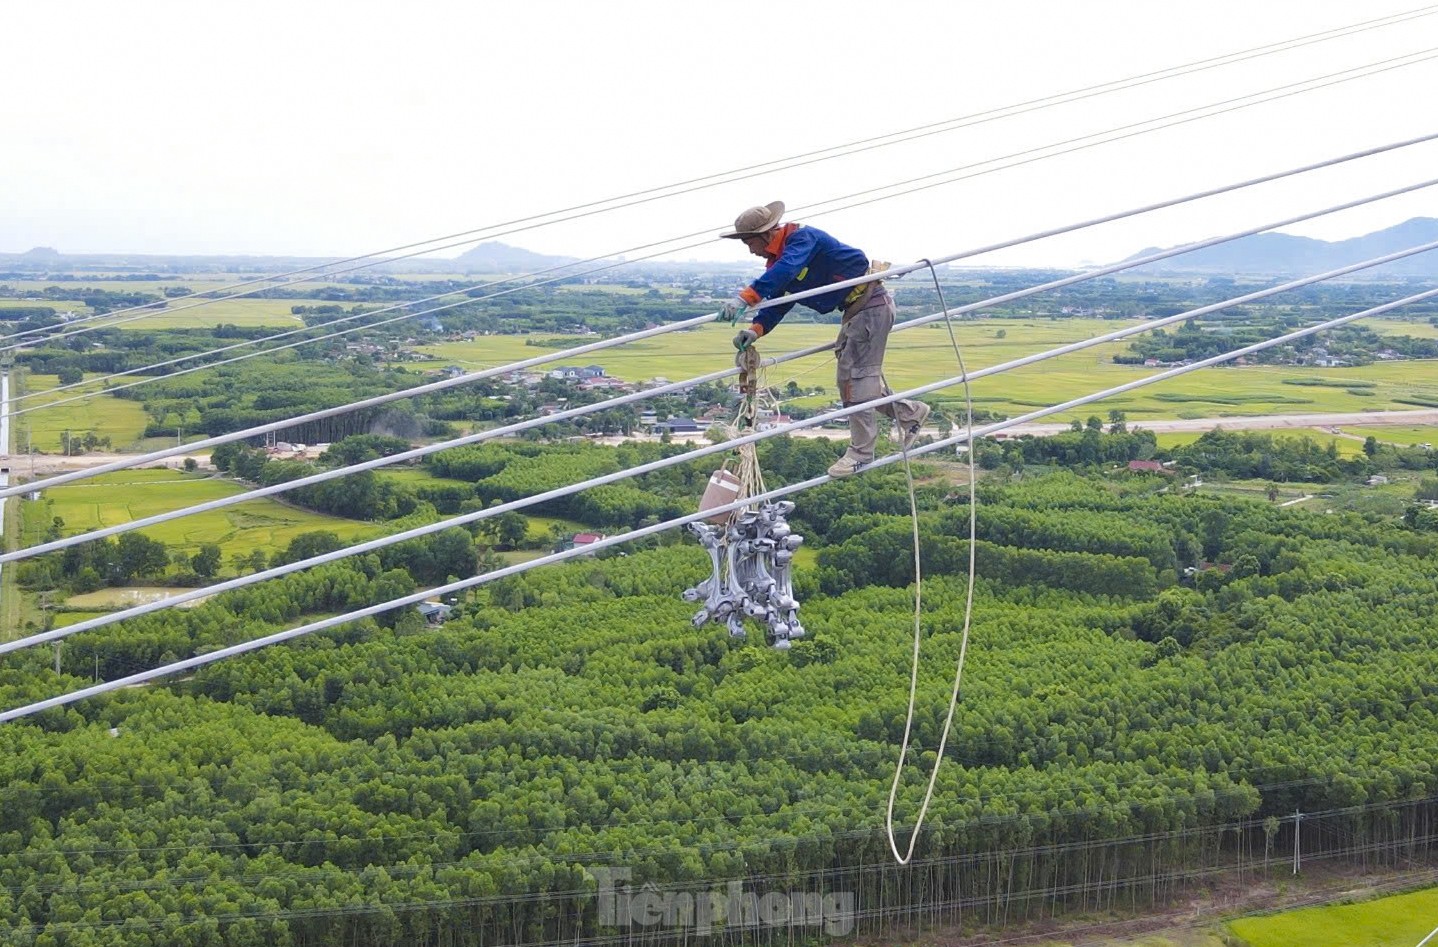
(1275,254)
(495,257)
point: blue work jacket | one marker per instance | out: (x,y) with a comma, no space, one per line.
(809,258)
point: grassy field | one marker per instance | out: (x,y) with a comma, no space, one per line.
(122,421)
(1417,328)
(74,305)
(923,355)
(239,312)
(415,476)
(65,619)
(1408,435)
(1347,447)
(121,497)
(104,600)
(1398,921)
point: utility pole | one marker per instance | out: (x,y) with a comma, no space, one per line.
(1297,854)
(57,657)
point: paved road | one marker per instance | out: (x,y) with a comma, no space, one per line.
(1250,423)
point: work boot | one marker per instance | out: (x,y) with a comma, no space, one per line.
(845,466)
(911,428)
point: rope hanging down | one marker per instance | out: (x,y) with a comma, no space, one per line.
(903,859)
(751,548)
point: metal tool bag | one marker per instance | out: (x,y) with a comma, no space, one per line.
(751,549)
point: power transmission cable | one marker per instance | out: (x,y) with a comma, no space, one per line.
(724,446)
(537,220)
(258,430)
(1073,145)
(640,533)
(670,388)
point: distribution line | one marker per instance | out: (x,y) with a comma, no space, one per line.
(518,568)
(595,346)
(1066,147)
(611,403)
(663,463)
(768,167)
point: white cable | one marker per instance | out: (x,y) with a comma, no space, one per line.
(621,400)
(632,535)
(728,445)
(922,131)
(1067,146)
(153,456)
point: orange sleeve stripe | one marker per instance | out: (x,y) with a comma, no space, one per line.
(749,296)
(758,329)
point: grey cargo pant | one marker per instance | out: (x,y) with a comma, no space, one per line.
(860,351)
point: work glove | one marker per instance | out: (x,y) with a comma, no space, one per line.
(745,338)
(732,310)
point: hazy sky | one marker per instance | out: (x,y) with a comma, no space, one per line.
(343,128)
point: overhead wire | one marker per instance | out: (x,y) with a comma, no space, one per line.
(380,257)
(1067,146)
(669,388)
(560,492)
(642,532)
(257,430)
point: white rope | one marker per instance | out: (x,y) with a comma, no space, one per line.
(258,430)
(908,854)
(560,492)
(518,568)
(779,164)
(716,376)
(1074,144)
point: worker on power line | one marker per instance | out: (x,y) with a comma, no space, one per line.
(798,258)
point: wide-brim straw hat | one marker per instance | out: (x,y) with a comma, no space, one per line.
(757,220)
